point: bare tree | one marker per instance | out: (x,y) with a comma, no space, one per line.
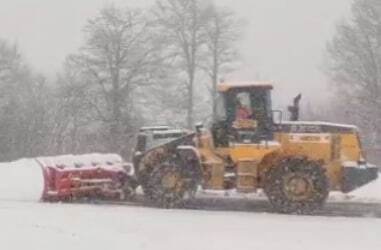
(23,109)
(223,31)
(355,67)
(120,55)
(71,114)
(183,24)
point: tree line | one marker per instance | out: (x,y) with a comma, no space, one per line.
(143,66)
(135,67)
(354,70)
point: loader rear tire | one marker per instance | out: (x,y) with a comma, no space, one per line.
(167,186)
(296,186)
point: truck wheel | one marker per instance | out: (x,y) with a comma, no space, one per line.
(296,186)
(167,186)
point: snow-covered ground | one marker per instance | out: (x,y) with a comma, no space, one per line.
(33,225)
(370,193)
(63,226)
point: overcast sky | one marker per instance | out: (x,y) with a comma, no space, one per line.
(284,41)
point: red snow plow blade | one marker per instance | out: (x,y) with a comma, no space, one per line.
(93,176)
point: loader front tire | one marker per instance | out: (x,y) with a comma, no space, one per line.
(296,186)
(167,186)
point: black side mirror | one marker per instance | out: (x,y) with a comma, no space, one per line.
(294,109)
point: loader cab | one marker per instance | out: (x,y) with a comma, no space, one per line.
(243,114)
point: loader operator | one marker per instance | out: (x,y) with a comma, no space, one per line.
(242,112)
(243,123)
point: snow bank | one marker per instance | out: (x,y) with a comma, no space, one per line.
(24,180)
(21,181)
(370,193)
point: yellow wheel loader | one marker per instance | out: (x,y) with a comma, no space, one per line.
(295,163)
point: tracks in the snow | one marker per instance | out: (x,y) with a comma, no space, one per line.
(334,209)
(331,209)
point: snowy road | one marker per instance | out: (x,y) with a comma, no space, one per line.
(211,222)
(331,209)
(98,227)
